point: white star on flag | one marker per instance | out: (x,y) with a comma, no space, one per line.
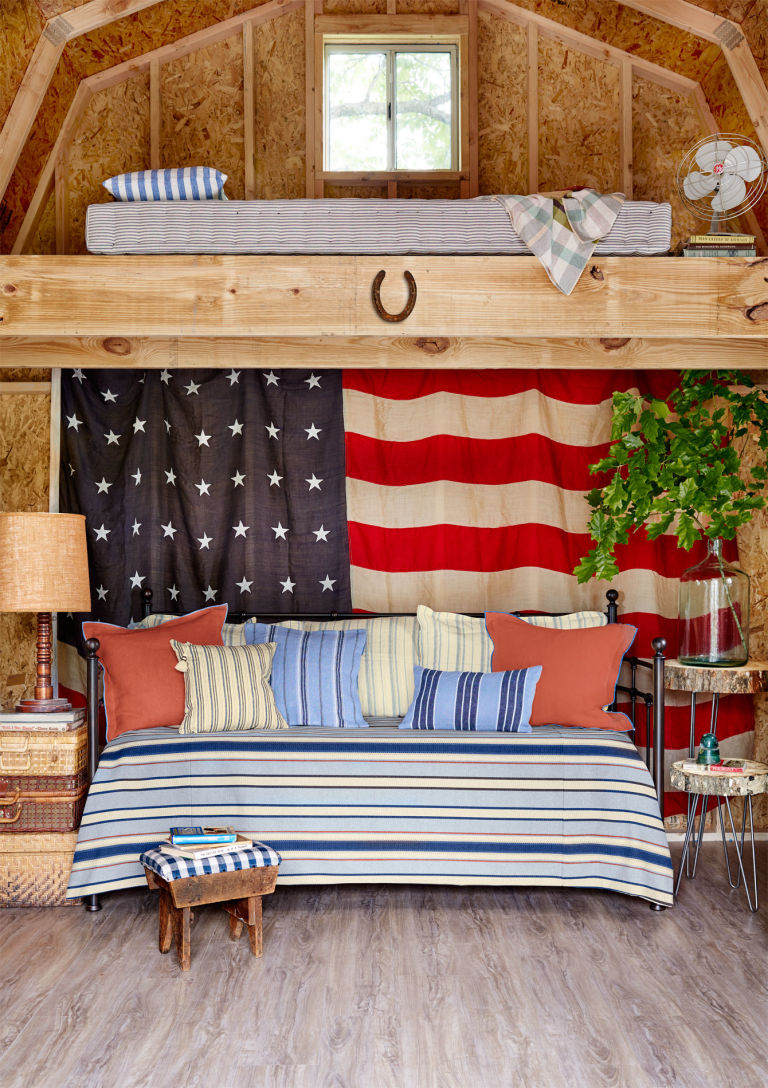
(137,579)
(272,378)
(272,430)
(102,592)
(321,534)
(138,425)
(202,438)
(204,540)
(78,374)
(136,476)
(109,397)
(113,439)
(102,533)
(234,377)
(274,479)
(203,488)
(103,486)
(174,592)
(167,426)
(279,531)
(314,482)
(210,593)
(192,388)
(237,479)
(328,583)
(313,381)
(168,530)
(170,476)
(287,585)
(245,585)
(165,376)
(73,423)
(240,530)
(136,526)
(235,428)
(313,432)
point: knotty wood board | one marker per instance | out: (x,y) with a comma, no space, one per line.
(382,352)
(331,296)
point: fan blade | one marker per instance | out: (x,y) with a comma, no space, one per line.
(745,162)
(712,152)
(697,185)
(732,191)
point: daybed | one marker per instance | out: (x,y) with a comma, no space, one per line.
(569,807)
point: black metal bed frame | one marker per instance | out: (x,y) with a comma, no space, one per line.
(653,700)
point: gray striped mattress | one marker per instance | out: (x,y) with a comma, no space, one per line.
(478,226)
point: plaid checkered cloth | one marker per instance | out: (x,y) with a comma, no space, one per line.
(563,232)
(170,867)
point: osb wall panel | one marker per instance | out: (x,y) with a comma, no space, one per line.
(112,138)
(24,460)
(433,7)
(23,373)
(280,108)
(502,59)
(755,28)
(579,120)
(20,27)
(362,192)
(664,125)
(357,7)
(44,132)
(423,191)
(201,98)
(629,30)
(43,241)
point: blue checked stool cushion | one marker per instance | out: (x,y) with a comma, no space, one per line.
(236,881)
(170,867)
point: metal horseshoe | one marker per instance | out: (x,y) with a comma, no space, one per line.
(406,310)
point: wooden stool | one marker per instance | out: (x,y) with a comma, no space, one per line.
(238,891)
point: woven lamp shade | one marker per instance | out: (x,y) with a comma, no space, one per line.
(43,563)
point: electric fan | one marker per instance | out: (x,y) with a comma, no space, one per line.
(721,177)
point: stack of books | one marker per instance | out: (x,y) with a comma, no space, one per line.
(60,721)
(204,842)
(726,767)
(720,245)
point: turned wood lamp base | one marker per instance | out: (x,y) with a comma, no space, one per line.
(43,701)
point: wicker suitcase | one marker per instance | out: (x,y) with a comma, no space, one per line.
(31,753)
(42,809)
(35,868)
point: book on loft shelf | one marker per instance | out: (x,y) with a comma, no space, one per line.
(58,722)
(747,251)
(201,850)
(721,238)
(203,836)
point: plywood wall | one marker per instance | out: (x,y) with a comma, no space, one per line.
(280,108)
(502,128)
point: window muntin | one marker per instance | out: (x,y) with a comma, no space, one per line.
(391,107)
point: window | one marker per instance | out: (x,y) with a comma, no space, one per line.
(391,106)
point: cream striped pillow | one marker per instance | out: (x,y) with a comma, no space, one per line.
(453,642)
(226,688)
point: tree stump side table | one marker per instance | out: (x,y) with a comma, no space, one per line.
(236,881)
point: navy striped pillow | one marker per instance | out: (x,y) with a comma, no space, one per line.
(497,702)
(315,674)
(182,183)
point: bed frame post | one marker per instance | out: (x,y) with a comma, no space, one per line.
(92,902)
(146,603)
(613,608)
(659,646)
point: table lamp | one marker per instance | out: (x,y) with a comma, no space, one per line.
(43,569)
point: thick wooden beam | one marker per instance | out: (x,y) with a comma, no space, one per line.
(626,145)
(376,352)
(98,13)
(652,297)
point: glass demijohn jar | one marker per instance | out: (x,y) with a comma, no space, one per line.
(714,611)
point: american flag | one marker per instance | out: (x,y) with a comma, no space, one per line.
(377,490)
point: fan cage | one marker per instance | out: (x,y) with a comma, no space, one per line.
(701,207)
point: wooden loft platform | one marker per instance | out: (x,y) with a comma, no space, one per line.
(471,312)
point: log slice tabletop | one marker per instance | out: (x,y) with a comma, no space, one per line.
(719,785)
(724,680)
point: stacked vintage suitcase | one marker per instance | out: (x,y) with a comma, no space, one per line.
(43,784)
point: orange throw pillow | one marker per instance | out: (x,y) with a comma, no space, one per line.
(142,687)
(580,669)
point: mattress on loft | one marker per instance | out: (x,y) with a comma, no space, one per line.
(459,227)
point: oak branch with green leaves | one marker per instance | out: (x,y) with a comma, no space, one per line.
(693,464)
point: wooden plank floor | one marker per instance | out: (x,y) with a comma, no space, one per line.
(396,987)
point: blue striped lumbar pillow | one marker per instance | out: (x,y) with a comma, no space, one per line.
(496,702)
(315,674)
(182,183)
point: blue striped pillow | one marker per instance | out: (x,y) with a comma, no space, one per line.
(315,674)
(495,702)
(182,183)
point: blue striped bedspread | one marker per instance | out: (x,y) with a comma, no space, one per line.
(556,807)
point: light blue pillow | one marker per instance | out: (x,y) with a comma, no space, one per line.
(183,183)
(495,702)
(314,674)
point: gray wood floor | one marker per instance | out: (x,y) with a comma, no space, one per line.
(395,987)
